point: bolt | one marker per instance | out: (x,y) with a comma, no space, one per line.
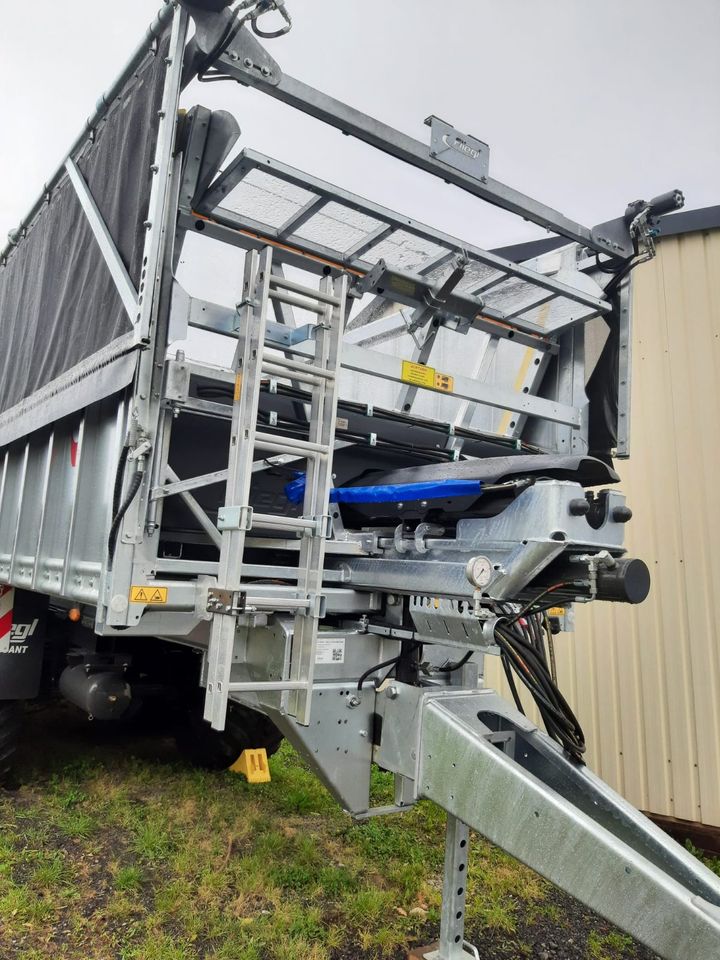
(234,56)
(393,693)
(353,701)
(266,71)
(392,600)
(363,733)
(247,62)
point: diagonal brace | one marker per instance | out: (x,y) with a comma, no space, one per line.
(118,271)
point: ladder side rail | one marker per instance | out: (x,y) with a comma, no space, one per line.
(247,364)
(323,415)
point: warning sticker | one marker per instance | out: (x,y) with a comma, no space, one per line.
(418,374)
(421,376)
(238,386)
(148,594)
(330,650)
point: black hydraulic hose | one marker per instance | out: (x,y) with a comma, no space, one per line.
(386,663)
(452,667)
(378,666)
(523,651)
(119,474)
(123,509)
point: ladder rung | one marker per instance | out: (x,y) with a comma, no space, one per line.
(300,367)
(260,685)
(277,603)
(274,522)
(294,301)
(276,371)
(285,284)
(268,441)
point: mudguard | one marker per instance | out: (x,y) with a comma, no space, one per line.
(22,633)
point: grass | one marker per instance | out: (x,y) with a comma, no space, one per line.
(609,946)
(117,857)
(712,863)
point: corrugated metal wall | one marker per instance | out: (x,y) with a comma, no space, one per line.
(646,680)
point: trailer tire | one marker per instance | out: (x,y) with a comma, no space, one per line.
(11,712)
(210,749)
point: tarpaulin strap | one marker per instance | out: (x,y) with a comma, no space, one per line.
(391,493)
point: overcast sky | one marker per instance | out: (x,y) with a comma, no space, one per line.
(586,105)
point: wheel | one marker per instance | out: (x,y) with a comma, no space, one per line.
(211,749)
(10,723)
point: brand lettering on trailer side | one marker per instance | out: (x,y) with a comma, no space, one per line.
(462,146)
(21,631)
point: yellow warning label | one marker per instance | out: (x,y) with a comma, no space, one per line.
(148,594)
(238,387)
(417,374)
(444,382)
(556,612)
(421,376)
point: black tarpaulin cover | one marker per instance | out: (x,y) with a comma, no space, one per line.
(58,302)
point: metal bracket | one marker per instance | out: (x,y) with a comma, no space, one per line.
(248,56)
(318,605)
(177,379)
(459,150)
(226,601)
(235,518)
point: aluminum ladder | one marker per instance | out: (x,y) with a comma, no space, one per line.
(319,374)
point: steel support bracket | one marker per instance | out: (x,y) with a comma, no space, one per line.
(235,518)
(226,601)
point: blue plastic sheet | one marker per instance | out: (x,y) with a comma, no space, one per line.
(390,493)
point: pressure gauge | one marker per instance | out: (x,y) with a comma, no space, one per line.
(479,571)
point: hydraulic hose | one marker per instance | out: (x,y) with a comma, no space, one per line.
(123,509)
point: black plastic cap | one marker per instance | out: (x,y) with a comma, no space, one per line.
(627,582)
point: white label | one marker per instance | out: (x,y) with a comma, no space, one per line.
(330,650)
(342,423)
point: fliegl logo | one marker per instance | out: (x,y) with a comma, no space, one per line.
(19,634)
(456,142)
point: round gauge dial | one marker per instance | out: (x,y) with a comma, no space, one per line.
(479,571)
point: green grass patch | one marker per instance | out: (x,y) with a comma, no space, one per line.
(611,946)
(116,857)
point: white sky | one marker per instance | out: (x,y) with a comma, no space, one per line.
(585,105)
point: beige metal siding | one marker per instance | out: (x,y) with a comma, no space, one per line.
(646,680)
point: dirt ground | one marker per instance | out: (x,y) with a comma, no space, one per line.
(110,847)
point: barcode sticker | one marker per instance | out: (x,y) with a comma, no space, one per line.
(330,650)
